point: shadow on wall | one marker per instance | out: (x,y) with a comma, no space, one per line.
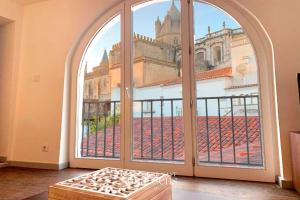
(7,28)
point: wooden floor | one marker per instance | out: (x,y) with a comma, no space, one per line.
(32,184)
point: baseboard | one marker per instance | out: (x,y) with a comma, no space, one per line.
(37,165)
(3,159)
(64,165)
(284,184)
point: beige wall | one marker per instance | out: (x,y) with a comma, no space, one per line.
(6,66)
(51,27)
(10,10)
(10,35)
(281,20)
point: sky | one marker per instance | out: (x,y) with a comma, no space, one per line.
(144,16)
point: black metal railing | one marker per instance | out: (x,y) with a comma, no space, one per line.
(100,129)
(233,136)
(228,130)
(162,123)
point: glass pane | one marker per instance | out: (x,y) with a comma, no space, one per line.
(228,114)
(157,82)
(101,95)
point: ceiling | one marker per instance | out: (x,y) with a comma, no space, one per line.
(25,2)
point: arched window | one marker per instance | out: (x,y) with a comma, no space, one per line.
(164,102)
(200,61)
(100,136)
(217,55)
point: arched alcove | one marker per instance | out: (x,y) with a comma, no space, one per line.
(264,55)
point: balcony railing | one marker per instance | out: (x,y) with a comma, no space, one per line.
(228,130)
(100,129)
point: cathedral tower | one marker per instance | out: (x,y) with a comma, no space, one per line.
(169,30)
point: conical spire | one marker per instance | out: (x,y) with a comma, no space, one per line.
(173,12)
(104,61)
(157,26)
(168,30)
(104,57)
(158,20)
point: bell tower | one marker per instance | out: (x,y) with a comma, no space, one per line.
(168,31)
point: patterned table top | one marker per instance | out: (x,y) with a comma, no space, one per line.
(113,181)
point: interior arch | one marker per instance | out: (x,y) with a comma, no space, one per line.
(256,32)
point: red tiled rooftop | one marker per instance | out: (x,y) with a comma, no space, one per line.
(215,73)
(240,139)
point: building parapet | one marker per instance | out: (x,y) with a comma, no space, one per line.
(219,33)
(202,75)
(237,31)
(241,86)
(143,38)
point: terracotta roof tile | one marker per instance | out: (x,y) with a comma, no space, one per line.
(238,138)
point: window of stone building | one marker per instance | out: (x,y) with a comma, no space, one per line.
(99,86)
(91,93)
(217,55)
(200,61)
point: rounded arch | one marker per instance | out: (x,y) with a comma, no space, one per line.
(260,40)
(73,70)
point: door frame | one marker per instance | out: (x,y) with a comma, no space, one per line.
(185,168)
(76,100)
(264,55)
(267,172)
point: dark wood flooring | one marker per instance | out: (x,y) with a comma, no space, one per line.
(32,184)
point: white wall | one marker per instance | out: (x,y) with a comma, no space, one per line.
(205,88)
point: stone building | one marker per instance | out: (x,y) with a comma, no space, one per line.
(97,83)
(157,61)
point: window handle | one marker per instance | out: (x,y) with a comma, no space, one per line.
(128,92)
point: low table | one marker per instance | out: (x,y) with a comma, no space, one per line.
(114,184)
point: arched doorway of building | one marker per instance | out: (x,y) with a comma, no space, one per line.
(172,86)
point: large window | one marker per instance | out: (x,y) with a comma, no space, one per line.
(157,82)
(100,136)
(227,91)
(154,97)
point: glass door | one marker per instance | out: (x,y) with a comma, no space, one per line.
(227,117)
(172,86)
(99,103)
(158,129)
